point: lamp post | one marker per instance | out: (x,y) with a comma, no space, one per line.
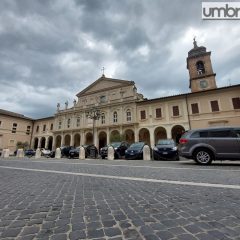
(93,114)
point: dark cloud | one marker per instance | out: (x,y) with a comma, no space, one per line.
(50,50)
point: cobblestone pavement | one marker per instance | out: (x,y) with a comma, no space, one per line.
(99,199)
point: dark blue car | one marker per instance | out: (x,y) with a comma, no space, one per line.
(135,151)
(165,149)
(29,152)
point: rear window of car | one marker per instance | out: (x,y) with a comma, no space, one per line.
(200,134)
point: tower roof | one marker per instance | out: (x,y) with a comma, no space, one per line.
(196,50)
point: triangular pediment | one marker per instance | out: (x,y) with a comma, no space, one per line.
(104,84)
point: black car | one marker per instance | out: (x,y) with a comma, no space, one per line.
(135,151)
(29,152)
(74,152)
(165,149)
(64,151)
(119,149)
(90,151)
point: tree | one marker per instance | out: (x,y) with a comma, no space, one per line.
(23,145)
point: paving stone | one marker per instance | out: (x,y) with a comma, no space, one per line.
(59,237)
(164,235)
(111,232)
(30,230)
(95,233)
(75,235)
(11,232)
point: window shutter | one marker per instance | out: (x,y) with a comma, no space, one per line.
(143,114)
(236,103)
(175,111)
(158,113)
(214,106)
(195,108)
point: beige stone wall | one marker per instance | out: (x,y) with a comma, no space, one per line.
(9,139)
(226,116)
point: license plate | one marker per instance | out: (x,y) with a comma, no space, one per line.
(165,153)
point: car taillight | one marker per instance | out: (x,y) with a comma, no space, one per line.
(183,140)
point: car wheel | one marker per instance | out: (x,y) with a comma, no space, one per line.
(203,156)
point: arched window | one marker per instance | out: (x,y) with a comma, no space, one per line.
(200,67)
(68,123)
(115,117)
(129,115)
(103,118)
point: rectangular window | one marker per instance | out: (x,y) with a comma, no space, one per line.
(44,127)
(158,112)
(236,103)
(37,129)
(28,130)
(195,109)
(78,122)
(143,114)
(69,123)
(0,123)
(51,128)
(214,106)
(14,128)
(175,111)
(59,125)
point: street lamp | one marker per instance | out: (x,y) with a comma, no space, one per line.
(93,114)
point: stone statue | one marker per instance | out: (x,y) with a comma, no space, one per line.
(66,104)
(58,107)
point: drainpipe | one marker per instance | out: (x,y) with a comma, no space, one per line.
(189,122)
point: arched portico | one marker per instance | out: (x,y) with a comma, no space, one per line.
(50,143)
(144,135)
(129,136)
(176,132)
(42,142)
(160,133)
(89,138)
(77,140)
(102,139)
(35,143)
(58,141)
(67,140)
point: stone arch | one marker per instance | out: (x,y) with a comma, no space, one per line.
(58,141)
(115,136)
(129,136)
(42,142)
(50,143)
(35,143)
(176,132)
(89,138)
(67,140)
(76,140)
(102,138)
(160,133)
(144,136)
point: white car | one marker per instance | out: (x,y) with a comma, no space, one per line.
(45,152)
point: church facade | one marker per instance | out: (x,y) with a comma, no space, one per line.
(112,109)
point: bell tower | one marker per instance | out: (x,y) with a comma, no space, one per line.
(200,69)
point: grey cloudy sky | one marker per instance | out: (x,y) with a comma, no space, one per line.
(52,49)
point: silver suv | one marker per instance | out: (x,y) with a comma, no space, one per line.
(205,145)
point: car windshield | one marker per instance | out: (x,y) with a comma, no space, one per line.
(137,146)
(115,144)
(165,142)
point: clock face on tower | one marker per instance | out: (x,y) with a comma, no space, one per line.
(203,84)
